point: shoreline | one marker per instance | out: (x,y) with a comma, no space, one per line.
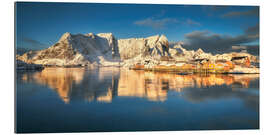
(168,70)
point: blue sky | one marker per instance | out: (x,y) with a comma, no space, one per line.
(40,25)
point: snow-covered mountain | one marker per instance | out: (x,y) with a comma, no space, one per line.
(100,49)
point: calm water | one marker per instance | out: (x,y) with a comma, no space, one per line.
(113,99)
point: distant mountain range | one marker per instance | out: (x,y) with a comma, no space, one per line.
(104,49)
(21,51)
(252,49)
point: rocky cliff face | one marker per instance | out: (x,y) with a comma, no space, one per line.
(155,46)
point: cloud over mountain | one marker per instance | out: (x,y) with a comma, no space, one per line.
(164,22)
(158,21)
(213,42)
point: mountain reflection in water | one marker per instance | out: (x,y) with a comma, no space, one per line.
(103,84)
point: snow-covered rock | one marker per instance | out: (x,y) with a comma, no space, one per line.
(155,46)
(75,50)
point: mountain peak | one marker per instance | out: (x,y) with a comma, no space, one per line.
(199,51)
(105,34)
(65,36)
(90,35)
(163,39)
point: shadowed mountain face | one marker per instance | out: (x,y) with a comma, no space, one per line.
(104,84)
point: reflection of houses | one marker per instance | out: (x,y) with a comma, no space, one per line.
(105,83)
(140,84)
(154,86)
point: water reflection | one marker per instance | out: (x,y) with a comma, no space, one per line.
(58,79)
(104,84)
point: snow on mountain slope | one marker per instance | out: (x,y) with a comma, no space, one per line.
(100,49)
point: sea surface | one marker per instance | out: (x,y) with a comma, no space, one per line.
(115,99)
